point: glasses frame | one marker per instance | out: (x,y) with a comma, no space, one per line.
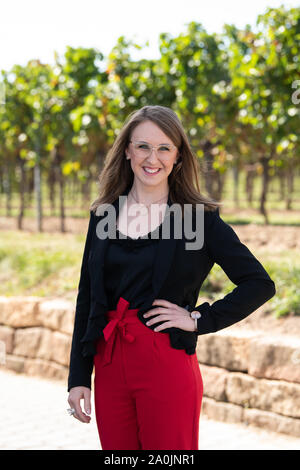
(153,146)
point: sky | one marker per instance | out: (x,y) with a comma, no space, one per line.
(34,29)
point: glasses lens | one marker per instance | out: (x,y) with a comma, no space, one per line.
(144,150)
(164,151)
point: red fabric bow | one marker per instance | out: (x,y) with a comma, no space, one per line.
(117,323)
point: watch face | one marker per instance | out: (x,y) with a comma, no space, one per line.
(195,314)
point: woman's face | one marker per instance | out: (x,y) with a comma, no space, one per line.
(161,159)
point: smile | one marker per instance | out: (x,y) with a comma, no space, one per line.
(151,171)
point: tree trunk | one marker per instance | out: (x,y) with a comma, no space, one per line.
(264,192)
(61,201)
(60,180)
(208,167)
(51,186)
(38,193)
(30,187)
(22,192)
(220,182)
(282,194)
(86,192)
(7,189)
(100,159)
(290,185)
(250,173)
(235,172)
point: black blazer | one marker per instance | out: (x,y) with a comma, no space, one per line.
(178,275)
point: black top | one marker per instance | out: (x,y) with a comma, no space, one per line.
(178,274)
(128,268)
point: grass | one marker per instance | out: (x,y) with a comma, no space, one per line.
(291,220)
(285,272)
(39,264)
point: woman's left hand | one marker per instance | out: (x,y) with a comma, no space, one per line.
(172,314)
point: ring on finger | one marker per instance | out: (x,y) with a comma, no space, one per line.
(71,411)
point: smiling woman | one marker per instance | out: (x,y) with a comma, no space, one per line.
(154,160)
(136,318)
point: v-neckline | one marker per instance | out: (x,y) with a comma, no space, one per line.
(141,237)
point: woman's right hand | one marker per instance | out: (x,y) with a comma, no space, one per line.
(75,395)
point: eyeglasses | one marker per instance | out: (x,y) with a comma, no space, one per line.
(143,149)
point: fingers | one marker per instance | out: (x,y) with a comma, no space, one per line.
(177,319)
(75,403)
(167,307)
(161,317)
(156,311)
(165,313)
(164,303)
(171,314)
(184,323)
(87,401)
(167,324)
(79,413)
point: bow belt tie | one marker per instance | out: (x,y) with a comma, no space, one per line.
(119,319)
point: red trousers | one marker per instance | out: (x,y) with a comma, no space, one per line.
(147,394)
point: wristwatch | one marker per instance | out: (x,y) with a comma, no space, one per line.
(196,315)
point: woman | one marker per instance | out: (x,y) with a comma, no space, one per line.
(136,318)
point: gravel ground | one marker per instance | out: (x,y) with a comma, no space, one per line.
(33,416)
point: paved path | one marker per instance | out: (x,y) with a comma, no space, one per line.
(33,416)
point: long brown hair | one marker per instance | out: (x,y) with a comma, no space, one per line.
(117,175)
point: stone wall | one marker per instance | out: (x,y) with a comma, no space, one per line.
(248,376)
(251,377)
(37,335)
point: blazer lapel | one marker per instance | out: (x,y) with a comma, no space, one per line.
(97,261)
(162,263)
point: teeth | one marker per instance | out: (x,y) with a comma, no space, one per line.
(150,170)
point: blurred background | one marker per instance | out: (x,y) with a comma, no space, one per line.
(70,73)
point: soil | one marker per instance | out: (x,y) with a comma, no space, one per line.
(264,320)
(273,238)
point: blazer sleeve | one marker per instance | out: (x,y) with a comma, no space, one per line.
(80,367)
(254,285)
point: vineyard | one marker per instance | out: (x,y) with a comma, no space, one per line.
(236,93)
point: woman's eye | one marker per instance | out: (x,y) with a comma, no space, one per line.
(164,149)
(143,146)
